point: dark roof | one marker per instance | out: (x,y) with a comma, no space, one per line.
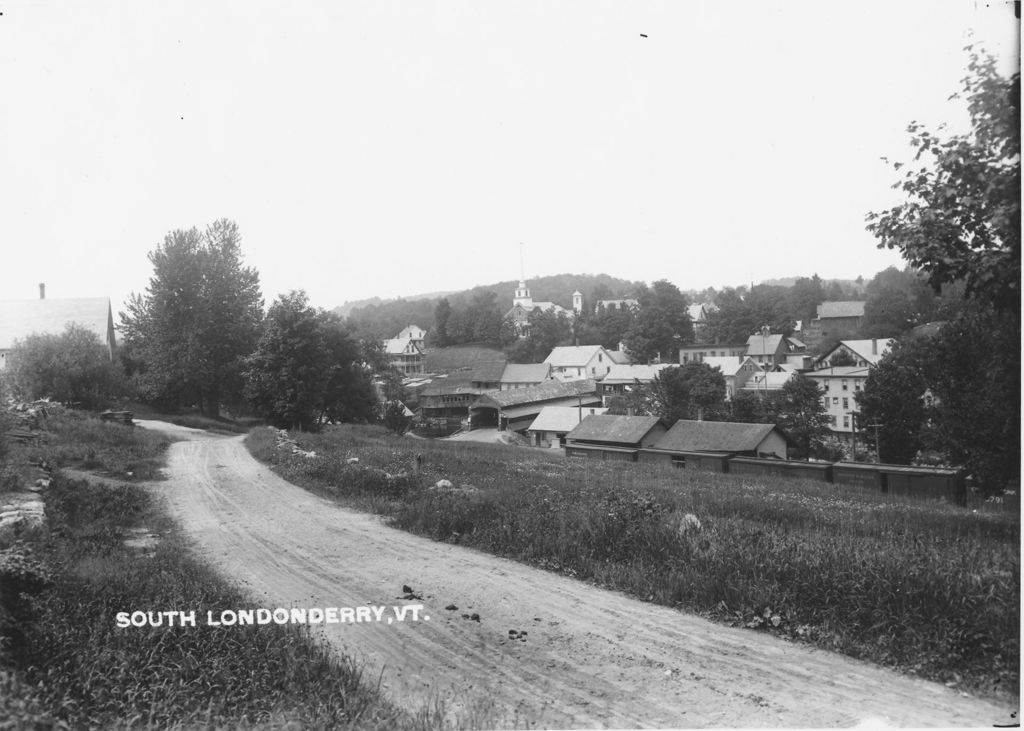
(620,429)
(543,392)
(488,371)
(714,436)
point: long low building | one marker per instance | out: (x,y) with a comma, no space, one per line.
(614,437)
(704,444)
(517,408)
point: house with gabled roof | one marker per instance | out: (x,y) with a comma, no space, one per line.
(614,437)
(835,320)
(415,333)
(770,350)
(622,379)
(404,355)
(841,384)
(515,409)
(736,371)
(575,362)
(21,318)
(839,389)
(554,422)
(863,353)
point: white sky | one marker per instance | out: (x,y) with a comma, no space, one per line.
(394,148)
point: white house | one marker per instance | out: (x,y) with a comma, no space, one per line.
(737,371)
(576,362)
(404,355)
(21,318)
(554,422)
(415,333)
(839,387)
(863,352)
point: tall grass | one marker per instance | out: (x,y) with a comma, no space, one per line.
(64,662)
(928,588)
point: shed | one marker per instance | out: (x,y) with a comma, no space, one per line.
(750,440)
(554,422)
(936,483)
(614,437)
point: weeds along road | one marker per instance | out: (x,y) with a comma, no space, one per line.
(590,658)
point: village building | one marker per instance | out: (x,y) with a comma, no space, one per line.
(697,352)
(621,304)
(554,422)
(862,353)
(21,318)
(692,441)
(617,438)
(404,355)
(835,320)
(523,305)
(840,386)
(522,375)
(767,381)
(699,317)
(624,378)
(516,409)
(576,362)
(415,333)
(736,370)
(770,350)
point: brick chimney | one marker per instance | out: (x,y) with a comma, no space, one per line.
(874,346)
(42,290)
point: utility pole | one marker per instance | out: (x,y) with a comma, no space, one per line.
(875,425)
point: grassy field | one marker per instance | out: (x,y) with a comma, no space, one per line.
(65,663)
(927,588)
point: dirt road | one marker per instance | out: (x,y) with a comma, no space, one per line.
(581,658)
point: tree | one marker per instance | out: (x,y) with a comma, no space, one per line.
(691,391)
(72,367)
(661,324)
(961,219)
(897,301)
(442,313)
(960,226)
(200,316)
(801,414)
(307,368)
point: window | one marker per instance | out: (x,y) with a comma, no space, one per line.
(846,421)
(856,384)
(835,401)
(846,404)
(832,419)
(825,401)
(593,371)
(845,386)
(600,357)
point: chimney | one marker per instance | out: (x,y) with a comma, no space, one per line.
(42,290)
(874,346)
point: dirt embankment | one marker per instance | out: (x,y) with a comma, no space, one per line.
(545,651)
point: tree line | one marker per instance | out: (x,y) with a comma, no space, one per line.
(198,337)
